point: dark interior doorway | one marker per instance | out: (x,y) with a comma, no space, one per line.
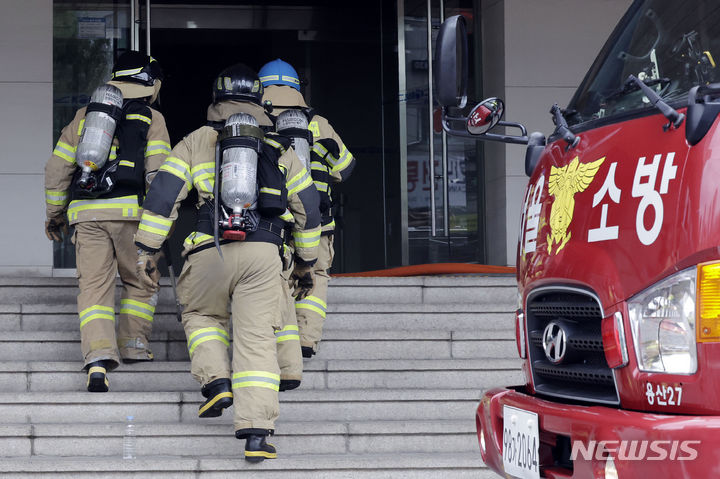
(337,50)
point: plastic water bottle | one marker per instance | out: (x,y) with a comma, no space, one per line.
(129,439)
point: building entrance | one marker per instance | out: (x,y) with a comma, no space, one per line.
(364,66)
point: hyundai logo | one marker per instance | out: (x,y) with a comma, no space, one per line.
(554,342)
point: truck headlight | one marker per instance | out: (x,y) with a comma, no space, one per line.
(663,325)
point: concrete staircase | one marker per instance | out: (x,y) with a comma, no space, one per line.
(392,392)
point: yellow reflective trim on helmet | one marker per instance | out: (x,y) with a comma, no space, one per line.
(269,78)
(124,73)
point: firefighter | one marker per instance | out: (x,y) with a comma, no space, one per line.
(331,162)
(95,180)
(246,180)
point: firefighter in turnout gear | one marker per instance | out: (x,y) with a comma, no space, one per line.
(330,162)
(246,181)
(95,180)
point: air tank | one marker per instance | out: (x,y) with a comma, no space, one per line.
(294,124)
(239,171)
(97,135)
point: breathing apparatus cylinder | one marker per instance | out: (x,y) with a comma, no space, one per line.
(238,189)
(294,124)
(101,119)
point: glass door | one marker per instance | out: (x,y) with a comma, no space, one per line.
(443,207)
(86,39)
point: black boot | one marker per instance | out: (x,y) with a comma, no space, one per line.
(219,396)
(288,384)
(257,450)
(307,351)
(97,381)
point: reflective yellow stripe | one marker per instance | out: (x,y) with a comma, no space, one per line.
(136,308)
(96,312)
(179,168)
(137,116)
(317,166)
(274,144)
(306,239)
(288,333)
(123,73)
(58,198)
(203,335)
(65,151)
(81,126)
(127,163)
(314,128)
(128,204)
(287,216)
(310,307)
(156,147)
(299,182)
(341,165)
(155,224)
(196,238)
(267,78)
(321,186)
(270,191)
(262,379)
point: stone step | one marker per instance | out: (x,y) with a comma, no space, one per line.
(306,466)
(336,344)
(38,376)
(417,290)
(210,440)
(181,407)
(445,317)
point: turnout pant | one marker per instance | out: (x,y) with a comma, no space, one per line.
(311,310)
(288,338)
(104,248)
(248,276)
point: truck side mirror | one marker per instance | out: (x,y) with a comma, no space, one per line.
(485,116)
(451,63)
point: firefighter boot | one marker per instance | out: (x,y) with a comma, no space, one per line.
(97,381)
(219,396)
(257,450)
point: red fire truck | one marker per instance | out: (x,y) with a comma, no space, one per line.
(618,264)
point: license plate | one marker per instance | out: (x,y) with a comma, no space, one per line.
(521,443)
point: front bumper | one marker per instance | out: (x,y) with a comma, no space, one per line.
(671,436)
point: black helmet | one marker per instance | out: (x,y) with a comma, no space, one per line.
(137,67)
(238,82)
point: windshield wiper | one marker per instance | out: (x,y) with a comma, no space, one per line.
(669,112)
(562,129)
(675,119)
(630,86)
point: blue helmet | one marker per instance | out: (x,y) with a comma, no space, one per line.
(278,72)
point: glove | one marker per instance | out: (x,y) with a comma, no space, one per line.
(147,269)
(55,226)
(303,281)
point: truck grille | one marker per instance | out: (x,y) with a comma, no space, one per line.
(581,373)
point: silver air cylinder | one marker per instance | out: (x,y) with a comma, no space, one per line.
(97,136)
(239,171)
(295,119)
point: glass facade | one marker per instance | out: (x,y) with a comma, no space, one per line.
(370,77)
(86,39)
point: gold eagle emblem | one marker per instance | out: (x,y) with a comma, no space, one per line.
(564,182)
